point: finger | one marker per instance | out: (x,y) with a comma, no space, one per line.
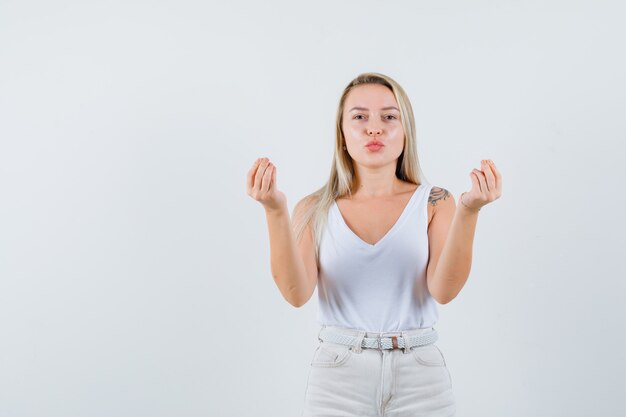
(260,172)
(475,182)
(270,175)
(495,169)
(497,174)
(490,179)
(250,175)
(273,177)
(481,180)
(267,177)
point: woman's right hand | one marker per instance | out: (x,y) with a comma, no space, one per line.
(261,185)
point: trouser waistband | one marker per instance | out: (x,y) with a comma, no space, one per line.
(359,339)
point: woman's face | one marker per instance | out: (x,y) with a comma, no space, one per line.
(371,113)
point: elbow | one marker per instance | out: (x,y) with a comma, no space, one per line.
(298,300)
(439,297)
(444,301)
(296,293)
(446,298)
(442,298)
(442,291)
(297,303)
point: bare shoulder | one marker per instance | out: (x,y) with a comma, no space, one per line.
(300,211)
(439,199)
(304,204)
(438,194)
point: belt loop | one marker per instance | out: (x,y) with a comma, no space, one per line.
(320,332)
(405,336)
(359,342)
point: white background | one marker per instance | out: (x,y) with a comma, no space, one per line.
(134,268)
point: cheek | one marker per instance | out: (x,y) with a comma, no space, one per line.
(397,132)
(350,132)
(395,128)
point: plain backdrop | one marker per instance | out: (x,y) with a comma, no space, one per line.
(134,268)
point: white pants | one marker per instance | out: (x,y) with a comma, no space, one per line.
(353,381)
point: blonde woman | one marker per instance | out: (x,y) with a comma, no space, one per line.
(383,247)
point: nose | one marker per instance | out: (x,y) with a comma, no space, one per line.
(374,131)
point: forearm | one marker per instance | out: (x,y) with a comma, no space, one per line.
(455,261)
(286,263)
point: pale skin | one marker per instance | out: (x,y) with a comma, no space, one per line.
(369,114)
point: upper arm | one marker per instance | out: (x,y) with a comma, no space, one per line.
(444,207)
(306,245)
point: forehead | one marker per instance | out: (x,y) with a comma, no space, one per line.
(371,96)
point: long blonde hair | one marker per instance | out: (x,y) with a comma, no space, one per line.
(341,181)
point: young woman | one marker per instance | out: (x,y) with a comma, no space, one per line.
(383,247)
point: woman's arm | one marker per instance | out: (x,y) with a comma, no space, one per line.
(451,232)
(451,249)
(293,266)
(295,273)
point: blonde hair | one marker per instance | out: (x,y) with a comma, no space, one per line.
(341,181)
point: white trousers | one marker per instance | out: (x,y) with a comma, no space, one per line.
(350,381)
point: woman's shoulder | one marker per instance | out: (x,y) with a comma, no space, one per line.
(310,199)
(437,194)
(306,203)
(439,198)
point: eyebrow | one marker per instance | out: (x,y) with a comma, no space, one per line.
(366,109)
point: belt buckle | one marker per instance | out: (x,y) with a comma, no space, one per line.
(394,342)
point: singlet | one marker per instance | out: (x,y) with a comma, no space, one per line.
(380,287)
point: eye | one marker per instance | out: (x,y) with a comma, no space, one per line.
(392,117)
(357,116)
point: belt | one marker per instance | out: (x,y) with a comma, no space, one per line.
(392,342)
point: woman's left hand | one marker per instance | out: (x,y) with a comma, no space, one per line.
(486,186)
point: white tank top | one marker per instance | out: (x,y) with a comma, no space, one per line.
(380,287)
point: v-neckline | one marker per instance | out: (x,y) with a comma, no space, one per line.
(391,230)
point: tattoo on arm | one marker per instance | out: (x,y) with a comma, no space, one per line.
(436,194)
